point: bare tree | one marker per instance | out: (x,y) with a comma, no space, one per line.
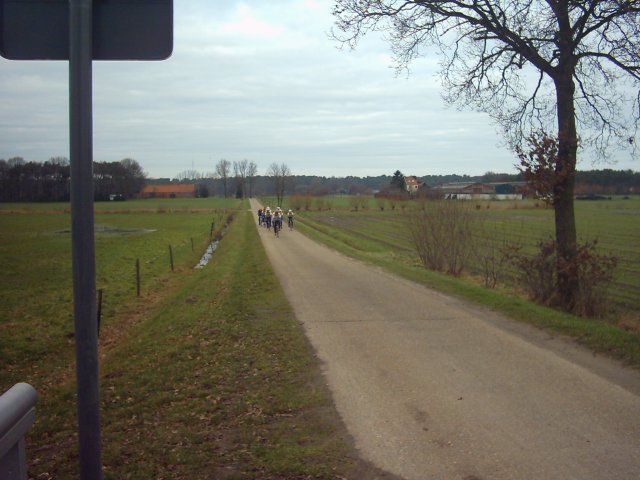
(189,174)
(280,174)
(62,161)
(222,172)
(252,170)
(240,174)
(533,65)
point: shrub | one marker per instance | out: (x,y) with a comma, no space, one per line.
(441,235)
(306,202)
(538,274)
(535,273)
(489,252)
(296,202)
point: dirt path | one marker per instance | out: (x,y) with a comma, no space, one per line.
(432,388)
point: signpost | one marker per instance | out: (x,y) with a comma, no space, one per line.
(82,31)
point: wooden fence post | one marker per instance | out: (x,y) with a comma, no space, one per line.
(137,277)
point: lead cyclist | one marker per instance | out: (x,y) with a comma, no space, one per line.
(290,217)
(277,223)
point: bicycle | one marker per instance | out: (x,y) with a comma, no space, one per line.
(277,225)
(290,223)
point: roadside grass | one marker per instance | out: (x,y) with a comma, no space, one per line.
(216,381)
(373,237)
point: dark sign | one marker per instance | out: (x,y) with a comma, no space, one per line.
(122,29)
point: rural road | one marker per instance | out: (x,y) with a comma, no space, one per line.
(433,388)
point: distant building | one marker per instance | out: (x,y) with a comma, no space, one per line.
(412,184)
(480,191)
(172,190)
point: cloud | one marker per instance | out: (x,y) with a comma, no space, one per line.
(245,23)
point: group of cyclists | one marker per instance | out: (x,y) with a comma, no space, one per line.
(267,218)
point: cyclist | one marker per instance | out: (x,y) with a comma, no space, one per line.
(290,217)
(259,217)
(267,218)
(277,222)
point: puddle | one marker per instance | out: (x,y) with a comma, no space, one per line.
(207,254)
(210,249)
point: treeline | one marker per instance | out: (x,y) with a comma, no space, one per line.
(610,182)
(22,181)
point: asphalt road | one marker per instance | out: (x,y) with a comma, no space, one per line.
(433,388)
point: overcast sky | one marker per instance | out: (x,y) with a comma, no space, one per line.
(260,81)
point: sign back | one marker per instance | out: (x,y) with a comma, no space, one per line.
(122,29)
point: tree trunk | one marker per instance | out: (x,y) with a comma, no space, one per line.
(565,224)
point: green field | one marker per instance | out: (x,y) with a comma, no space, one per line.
(206,375)
(614,223)
(36,262)
(361,229)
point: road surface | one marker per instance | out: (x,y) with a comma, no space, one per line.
(433,388)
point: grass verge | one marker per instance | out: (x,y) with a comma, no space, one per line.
(216,381)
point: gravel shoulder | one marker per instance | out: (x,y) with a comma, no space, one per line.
(432,387)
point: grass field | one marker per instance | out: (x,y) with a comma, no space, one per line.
(36,266)
(206,375)
(615,224)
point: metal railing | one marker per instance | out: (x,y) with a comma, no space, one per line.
(17,414)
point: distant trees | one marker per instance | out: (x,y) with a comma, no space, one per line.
(189,176)
(397,181)
(223,172)
(22,181)
(244,173)
(281,176)
(125,178)
(608,181)
(240,169)
(252,171)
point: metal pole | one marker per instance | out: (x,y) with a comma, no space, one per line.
(83,246)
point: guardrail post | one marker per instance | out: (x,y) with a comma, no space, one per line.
(17,414)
